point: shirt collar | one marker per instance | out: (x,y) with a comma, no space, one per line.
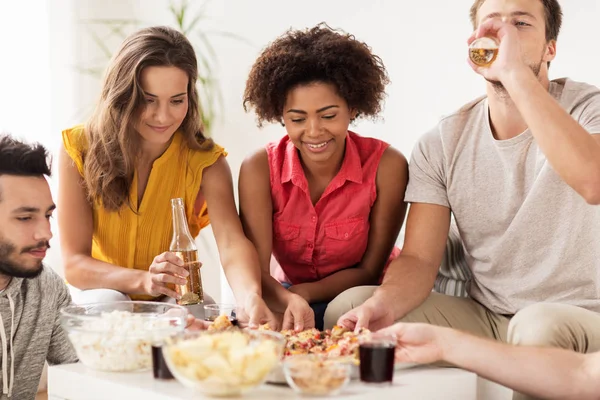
(351,169)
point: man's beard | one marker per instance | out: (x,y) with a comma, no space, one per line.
(499,88)
(9,268)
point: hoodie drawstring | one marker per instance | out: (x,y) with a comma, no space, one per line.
(7,385)
(4,357)
(12,352)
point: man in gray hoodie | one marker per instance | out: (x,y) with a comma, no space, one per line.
(31,295)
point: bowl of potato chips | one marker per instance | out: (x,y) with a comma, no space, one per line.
(223,363)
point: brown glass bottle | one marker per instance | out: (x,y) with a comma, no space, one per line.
(184,246)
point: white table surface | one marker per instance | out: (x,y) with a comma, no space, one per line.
(76,382)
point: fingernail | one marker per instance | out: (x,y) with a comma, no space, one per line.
(186,272)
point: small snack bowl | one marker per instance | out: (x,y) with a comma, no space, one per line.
(118,336)
(316,376)
(214,311)
(223,363)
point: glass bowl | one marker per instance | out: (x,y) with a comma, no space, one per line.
(118,336)
(316,376)
(223,363)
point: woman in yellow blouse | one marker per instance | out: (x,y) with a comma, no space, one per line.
(143,146)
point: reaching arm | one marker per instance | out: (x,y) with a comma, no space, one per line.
(541,372)
(410,277)
(76,227)
(256,212)
(547,373)
(386,218)
(238,256)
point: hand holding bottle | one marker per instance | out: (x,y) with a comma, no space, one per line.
(166,269)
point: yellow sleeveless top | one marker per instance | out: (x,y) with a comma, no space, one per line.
(131,240)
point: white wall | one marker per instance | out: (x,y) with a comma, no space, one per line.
(422,43)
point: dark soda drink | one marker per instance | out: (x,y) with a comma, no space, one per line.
(376,362)
(159,366)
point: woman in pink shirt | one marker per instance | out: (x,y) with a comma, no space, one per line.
(326,202)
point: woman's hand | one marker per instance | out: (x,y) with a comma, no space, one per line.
(254,312)
(166,270)
(298,314)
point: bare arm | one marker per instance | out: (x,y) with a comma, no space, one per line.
(386,218)
(570,149)
(76,227)
(541,372)
(547,373)
(238,256)
(410,277)
(256,211)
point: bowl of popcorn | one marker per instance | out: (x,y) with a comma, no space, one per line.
(314,375)
(118,336)
(223,363)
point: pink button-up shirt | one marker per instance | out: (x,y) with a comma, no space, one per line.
(312,242)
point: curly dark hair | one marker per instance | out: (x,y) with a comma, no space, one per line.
(318,54)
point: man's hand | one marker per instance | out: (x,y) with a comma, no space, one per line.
(298,314)
(418,343)
(373,315)
(509,59)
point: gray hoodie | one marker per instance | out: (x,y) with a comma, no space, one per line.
(30,332)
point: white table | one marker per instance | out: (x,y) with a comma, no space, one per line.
(75,382)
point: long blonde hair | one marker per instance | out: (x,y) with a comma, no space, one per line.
(113,143)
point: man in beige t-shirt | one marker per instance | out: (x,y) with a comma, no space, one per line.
(520,171)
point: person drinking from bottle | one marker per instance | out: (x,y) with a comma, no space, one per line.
(519,169)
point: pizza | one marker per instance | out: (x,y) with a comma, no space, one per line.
(336,343)
(331,343)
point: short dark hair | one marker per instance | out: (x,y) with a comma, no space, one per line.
(319,54)
(23,159)
(552,12)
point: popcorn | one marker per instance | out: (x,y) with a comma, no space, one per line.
(119,340)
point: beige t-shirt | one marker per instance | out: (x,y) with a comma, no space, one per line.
(528,236)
